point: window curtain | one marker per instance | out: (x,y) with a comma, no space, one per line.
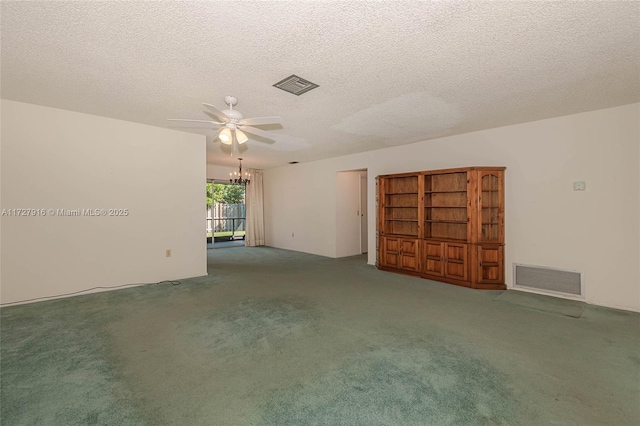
(255,210)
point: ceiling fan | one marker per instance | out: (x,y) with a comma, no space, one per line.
(234,125)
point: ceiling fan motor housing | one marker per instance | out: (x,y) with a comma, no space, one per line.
(233,114)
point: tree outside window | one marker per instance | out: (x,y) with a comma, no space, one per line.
(220,193)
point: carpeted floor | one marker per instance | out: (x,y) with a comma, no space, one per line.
(274,337)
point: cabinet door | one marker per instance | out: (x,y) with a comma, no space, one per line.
(390,251)
(490,264)
(456,265)
(433,258)
(409,254)
(490,207)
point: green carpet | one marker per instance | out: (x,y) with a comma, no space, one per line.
(570,308)
(275,337)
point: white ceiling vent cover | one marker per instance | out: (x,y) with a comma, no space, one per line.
(296,85)
(548,280)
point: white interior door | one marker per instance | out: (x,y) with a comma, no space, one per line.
(364,219)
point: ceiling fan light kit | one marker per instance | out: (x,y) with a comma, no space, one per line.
(225,136)
(241,137)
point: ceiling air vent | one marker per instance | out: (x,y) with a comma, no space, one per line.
(296,85)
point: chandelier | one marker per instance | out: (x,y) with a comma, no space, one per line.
(237,178)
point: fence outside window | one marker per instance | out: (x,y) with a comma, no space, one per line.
(226,221)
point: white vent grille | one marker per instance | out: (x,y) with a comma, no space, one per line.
(549,280)
(296,85)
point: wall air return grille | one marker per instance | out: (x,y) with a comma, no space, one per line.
(548,280)
(296,85)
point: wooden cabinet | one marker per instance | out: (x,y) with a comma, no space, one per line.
(400,253)
(446,225)
(449,260)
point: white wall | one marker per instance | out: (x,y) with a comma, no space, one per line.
(56,159)
(299,202)
(220,173)
(596,231)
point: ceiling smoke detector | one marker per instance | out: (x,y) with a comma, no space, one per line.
(296,85)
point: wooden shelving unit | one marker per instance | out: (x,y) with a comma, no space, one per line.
(400,206)
(446,225)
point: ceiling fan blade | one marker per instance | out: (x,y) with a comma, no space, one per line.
(258,132)
(195,121)
(216,112)
(213,116)
(260,120)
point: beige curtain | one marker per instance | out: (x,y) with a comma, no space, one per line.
(255,210)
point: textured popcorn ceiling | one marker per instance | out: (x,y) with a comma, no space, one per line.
(390,73)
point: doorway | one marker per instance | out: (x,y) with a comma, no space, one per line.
(226,214)
(351,213)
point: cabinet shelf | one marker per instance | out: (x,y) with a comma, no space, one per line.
(448,240)
(400,207)
(446,221)
(401,193)
(446,192)
(401,220)
(445,207)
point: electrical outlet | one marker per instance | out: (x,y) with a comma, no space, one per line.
(167,253)
(579,185)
